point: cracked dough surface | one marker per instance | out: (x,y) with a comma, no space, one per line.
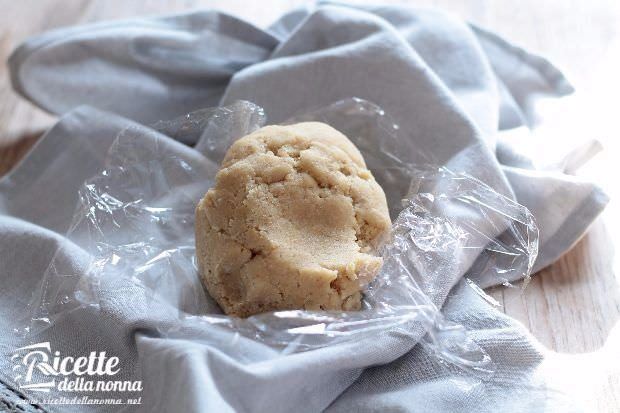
(290,223)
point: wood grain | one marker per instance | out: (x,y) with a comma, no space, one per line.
(572,306)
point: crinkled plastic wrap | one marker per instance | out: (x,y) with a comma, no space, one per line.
(136,219)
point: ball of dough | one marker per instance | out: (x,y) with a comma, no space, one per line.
(290,223)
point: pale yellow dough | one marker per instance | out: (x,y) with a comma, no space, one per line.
(290,223)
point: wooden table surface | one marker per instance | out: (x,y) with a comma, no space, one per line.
(573,306)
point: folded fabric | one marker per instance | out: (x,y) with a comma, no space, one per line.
(453,89)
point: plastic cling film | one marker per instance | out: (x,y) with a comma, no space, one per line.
(135,220)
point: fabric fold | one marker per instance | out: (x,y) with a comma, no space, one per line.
(320,53)
(145,69)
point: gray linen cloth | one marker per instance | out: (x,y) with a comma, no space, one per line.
(454,89)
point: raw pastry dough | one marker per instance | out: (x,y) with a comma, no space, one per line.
(290,223)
